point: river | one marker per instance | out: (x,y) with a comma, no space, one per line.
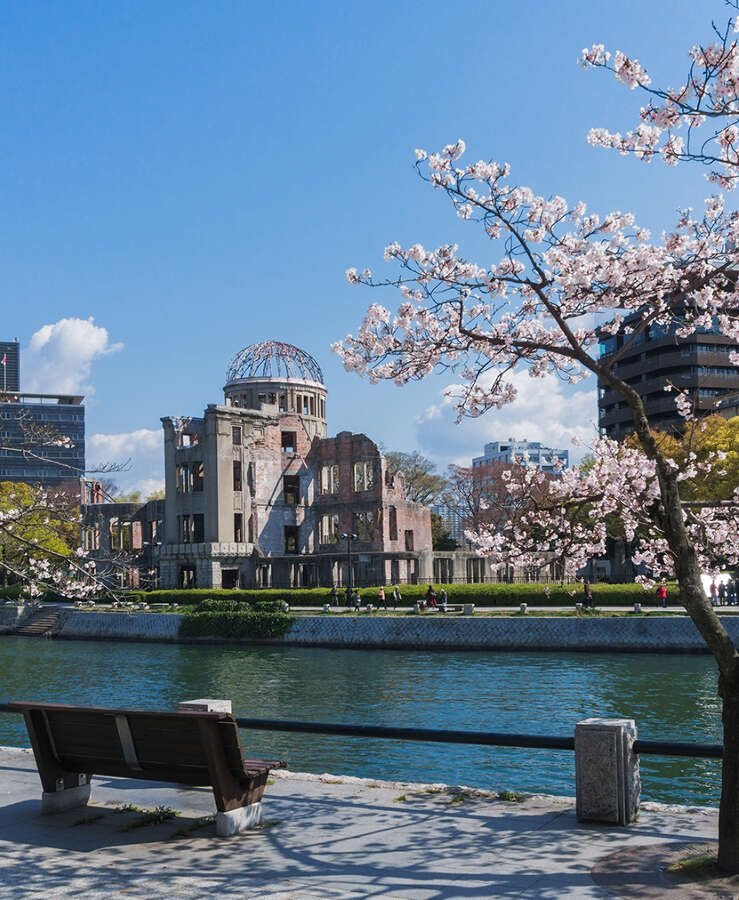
(671,696)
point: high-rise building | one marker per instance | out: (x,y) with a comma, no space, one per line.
(42,436)
(10,366)
(51,428)
(532,452)
(699,364)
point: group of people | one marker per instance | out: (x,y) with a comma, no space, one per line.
(724,593)
(434,601)
(353,599)
(430,601)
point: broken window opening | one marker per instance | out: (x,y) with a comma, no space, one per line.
(364,477)
(183,479)
(187,577)
(393,523)
(185,529)
(291,489)
(330,479)
(328,532)
(238,528)
(283,402)
(409,540)
(237,475)
(236,435)
(291,538)
(198,528)
(288,441)
(229,579)
(364,526)
(196,477)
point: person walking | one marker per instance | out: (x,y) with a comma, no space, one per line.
(714,593)
(731,592)
(396,597)
(662,595)
(381,601)
(588,596)
(721,594)
(334,596)
(431,596)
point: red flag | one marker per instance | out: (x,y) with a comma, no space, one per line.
(4,360)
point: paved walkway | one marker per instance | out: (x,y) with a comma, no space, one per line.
(336,839)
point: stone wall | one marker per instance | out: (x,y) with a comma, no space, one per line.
(652,634)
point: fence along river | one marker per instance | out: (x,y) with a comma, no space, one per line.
(671,696)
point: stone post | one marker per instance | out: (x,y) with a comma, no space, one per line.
(205,705)
(607,779)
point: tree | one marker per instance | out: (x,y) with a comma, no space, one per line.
(711,446)
(561,268)
(478,494)
(708,92)
(422,484)
(39,531)
(440,537)
(40,525)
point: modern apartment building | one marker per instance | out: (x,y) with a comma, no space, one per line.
(42,438)
(699,364)
(533,452)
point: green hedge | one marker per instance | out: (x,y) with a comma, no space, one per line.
(235,624)
(479,594)
(11,592)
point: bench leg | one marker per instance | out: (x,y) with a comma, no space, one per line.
(66,797)
(236,820)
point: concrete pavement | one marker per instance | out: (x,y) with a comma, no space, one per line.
(333,838)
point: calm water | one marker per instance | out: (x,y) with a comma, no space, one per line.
(670,696)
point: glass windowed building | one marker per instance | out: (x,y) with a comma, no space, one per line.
(36,424)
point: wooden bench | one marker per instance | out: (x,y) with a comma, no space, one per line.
(73,743)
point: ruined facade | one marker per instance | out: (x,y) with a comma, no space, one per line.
(258,496)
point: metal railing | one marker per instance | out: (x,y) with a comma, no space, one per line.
(446,736)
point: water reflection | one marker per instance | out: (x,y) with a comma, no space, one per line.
(670,696)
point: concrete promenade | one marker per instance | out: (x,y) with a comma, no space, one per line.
(334,839)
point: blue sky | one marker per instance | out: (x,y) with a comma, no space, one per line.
(198,176)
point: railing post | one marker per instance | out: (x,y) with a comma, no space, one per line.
(607,781)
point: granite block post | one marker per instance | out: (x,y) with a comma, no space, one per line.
(607,781)
(204,705)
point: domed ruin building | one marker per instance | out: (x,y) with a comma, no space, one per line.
(258,496)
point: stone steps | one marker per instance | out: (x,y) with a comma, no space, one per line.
(39,624)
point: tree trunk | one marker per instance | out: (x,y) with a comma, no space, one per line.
(728,818)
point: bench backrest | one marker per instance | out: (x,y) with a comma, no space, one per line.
(169,746)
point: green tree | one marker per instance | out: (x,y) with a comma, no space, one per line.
(36,525)
(440,537)
(420,479)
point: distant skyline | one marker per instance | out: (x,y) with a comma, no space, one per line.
(181,180)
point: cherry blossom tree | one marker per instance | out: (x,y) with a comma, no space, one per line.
(698,121)
(565,277)
(40,525)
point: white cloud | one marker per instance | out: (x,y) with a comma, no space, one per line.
(545,410)
(59,356)
(145,450)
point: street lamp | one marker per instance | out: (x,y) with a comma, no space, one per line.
(349,536)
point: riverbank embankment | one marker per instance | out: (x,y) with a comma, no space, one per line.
(649,634)
(326,836)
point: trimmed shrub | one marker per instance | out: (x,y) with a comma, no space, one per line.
(235,624)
